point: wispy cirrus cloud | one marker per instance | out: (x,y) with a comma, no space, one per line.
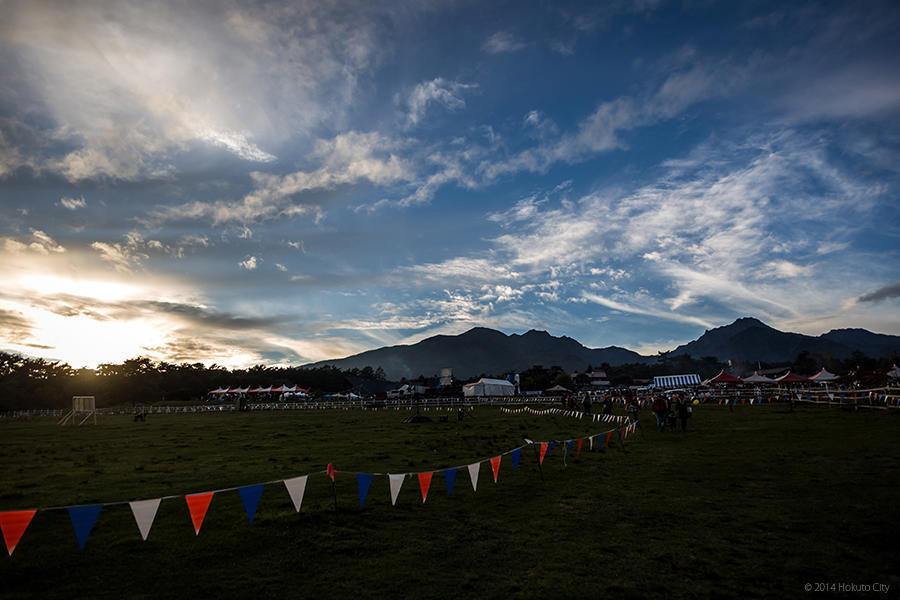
(438,91)
(502,42)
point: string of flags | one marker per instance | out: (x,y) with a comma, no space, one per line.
(14,523)
(566,413)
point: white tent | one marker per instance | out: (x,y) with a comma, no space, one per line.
(823,376)
(489,387)
(757,378)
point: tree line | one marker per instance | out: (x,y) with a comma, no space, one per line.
(27,383)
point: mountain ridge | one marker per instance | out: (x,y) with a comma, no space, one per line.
(485,350)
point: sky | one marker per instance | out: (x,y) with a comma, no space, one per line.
(278,183)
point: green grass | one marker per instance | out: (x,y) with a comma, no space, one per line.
(753,503)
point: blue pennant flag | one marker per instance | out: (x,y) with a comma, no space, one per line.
(250,497)
(450,476)
(83,519)
(568,447)
(550,447)
(363,481)
(516,454)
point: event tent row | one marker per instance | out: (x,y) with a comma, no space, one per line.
(281,389)
(724,378)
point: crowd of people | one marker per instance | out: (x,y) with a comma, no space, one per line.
(669,411)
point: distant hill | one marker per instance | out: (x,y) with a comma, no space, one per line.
(750,339)
(483,350)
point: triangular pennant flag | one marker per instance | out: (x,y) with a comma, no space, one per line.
(495,466)
(295,487)
(396,482)
(13,523)
(250,497)
(568,447)
(363,481)
(198,505)
(144,512)
(543,452)
(474,468)
(591,442)
(550,446)
(516,455)
(331,471)
(580,441)
(424,484)
(450,476)
(83,518)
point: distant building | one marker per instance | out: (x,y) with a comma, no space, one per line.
(594,379)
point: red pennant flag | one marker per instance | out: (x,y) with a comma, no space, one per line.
(543,452)
(495,465)
(425,483)
(580,440)
(198,504)
(14,523)
(331,471)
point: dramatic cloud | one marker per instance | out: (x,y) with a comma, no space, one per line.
(292,181)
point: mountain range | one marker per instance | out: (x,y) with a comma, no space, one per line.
(483,350)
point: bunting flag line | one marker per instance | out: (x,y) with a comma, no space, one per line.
(83,519)
(296,486)
(13,523)
(473,475)
(396,482)
(198,504)
(250,496)
(424,484)
(450,476)
(363,481)
(495,465)
(516,455)
(144,512)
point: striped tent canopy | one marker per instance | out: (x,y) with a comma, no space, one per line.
(668,381)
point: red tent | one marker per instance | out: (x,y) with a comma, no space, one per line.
(791,378)
(723,378)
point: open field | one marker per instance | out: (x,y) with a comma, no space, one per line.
(752,503)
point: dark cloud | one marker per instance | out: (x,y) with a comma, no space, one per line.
(15,326)
(208,318)
(885,293)
(68,305)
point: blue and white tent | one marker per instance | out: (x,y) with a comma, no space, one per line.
(671,381)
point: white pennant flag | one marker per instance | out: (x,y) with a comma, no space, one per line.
(396,483)
(473,475)
(591,439)
(295,488)
(144,512)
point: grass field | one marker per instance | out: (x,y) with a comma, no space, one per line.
(754,503)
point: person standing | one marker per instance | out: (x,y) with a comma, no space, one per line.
(683,411)
(660,409)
